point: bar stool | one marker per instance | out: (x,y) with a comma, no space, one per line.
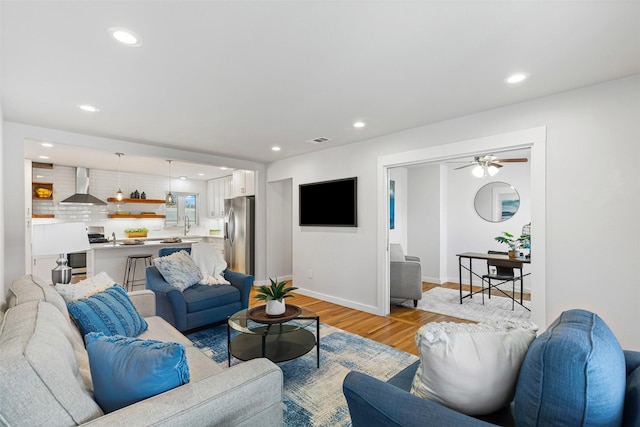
(130,269)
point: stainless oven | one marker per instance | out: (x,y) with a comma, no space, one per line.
(78,263)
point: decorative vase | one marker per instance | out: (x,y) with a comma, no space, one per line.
(275,307)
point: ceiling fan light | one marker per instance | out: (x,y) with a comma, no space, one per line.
(478,171)
(492,170)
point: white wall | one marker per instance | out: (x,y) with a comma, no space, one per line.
(592,199)
(466,231)
(426,215)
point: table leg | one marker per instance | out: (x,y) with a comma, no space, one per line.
(318,339)
(460,276)
(470,277)
(228,344)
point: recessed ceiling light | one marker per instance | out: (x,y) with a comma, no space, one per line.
(517,78)
(43,157)
(46,144)
(200,174)
(124,36)
(182,177)
(224,168)
(275,148)
(88,108)
(359,124)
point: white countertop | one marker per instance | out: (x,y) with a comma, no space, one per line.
(146,243)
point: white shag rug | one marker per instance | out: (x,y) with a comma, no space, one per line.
(447,301)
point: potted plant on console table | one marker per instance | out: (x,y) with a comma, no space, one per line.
(513,242)
(274,295)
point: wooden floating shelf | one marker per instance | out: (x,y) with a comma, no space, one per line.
(43,216)
(136,216)
(127,200)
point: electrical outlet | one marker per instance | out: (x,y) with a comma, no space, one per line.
(310,274)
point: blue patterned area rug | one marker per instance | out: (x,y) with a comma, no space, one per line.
(313,396)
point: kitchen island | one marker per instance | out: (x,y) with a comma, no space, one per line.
(111,258)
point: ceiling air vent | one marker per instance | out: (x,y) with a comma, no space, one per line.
(318,140)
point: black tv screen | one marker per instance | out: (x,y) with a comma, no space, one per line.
(329,203)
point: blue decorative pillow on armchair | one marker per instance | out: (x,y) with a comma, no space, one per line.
(126,370)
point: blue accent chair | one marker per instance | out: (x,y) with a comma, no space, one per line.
(199,305)
(574,374)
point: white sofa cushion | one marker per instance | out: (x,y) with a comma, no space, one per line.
(471,368)
(84,288)
(41,378)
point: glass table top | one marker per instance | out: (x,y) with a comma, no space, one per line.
(241,322)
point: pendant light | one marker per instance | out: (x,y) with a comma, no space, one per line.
(170,200)
(119,195)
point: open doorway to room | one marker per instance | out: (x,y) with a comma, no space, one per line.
(440,209)
(532,140)
(279,229)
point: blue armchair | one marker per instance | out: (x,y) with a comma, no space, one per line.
(575,373)
(198,305)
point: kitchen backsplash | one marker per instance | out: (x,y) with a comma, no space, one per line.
(104,184)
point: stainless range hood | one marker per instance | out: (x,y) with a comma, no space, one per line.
(82,196)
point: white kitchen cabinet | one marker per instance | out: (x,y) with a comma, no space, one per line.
(243,183)
(41,266)
(218,190)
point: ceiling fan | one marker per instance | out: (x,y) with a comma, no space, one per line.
(489,164)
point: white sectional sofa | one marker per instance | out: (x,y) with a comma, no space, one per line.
(46,378)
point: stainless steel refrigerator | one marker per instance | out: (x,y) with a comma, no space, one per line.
(239,234)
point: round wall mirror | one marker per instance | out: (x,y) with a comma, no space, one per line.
(497,201)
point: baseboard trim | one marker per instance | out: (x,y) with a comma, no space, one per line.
(340,301)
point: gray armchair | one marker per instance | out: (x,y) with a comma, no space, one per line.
(405,275)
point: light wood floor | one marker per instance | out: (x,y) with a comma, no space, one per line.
(396,330)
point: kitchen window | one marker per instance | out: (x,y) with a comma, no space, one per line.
(186,205)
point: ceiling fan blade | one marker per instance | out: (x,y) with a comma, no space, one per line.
(498,165)
(465,166)
(515,160)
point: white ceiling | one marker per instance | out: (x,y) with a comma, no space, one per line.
(234,78)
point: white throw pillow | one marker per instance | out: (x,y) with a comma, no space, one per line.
(179,270)
(84,288)
(471,368)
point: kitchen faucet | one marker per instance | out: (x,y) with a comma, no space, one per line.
(187,224)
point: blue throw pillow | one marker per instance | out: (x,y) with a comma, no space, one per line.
(126,370)
(573,374)
(110,312)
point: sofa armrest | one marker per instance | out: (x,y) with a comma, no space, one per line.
(144,301)
(411,258)
(242,282)
(248,394)
(375,403)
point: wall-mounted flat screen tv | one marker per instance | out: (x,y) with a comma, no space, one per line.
(329,203)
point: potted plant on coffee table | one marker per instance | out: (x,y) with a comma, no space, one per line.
(513,242)
(274,295)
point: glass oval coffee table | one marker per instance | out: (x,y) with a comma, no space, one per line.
(277,339)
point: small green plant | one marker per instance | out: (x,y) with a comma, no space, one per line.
(275,291)
(136,230)
(513,242)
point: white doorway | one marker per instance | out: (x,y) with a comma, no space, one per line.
(534,139)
